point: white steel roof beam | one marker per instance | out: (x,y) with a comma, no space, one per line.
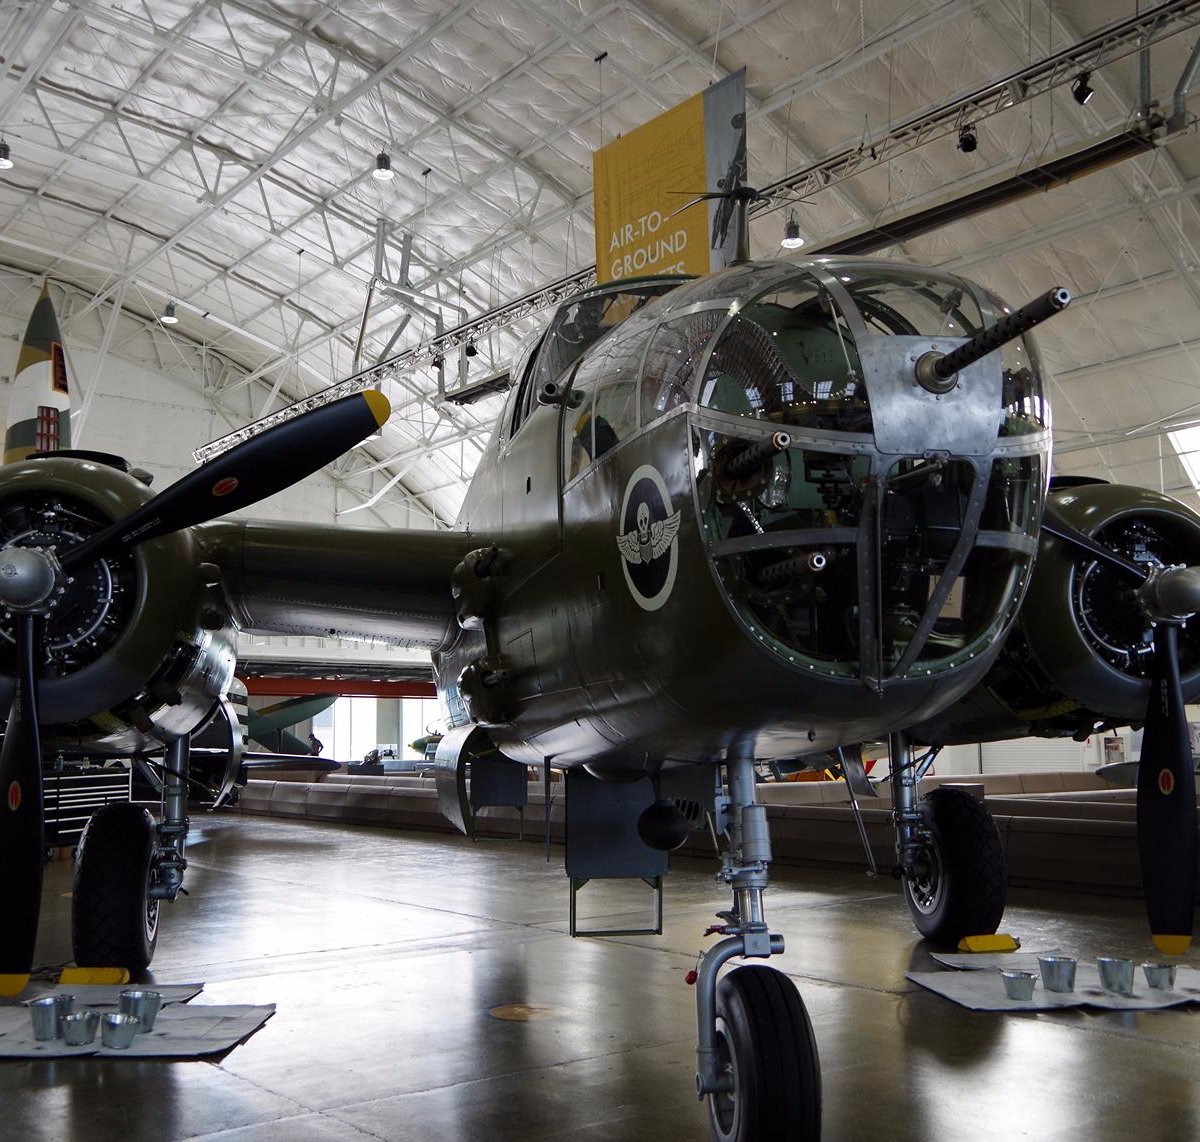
(697,54)
(178,45)
(319,121)
(185,141)
(442,118)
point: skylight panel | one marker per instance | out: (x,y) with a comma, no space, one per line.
(1186,442)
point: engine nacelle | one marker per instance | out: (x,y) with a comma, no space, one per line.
(139,645)
(1081,653)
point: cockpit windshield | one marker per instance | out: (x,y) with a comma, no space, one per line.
(581,322)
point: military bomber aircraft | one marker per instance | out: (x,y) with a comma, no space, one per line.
(759,516)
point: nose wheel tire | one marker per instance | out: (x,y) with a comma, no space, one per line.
(765,1044)
(960,880)
(114,921)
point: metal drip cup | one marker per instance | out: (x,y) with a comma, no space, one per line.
(66,1003)
(1018,984)
(79,1027)
(1058,973)
(118,1029)
(1161,977)
(1116,975)
(142,1004)
(44,1013)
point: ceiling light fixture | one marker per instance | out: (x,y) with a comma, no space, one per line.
(1081,89)
(168,314)
(792,239)
(967,139)
(5,155)
(383,167)
(471,349)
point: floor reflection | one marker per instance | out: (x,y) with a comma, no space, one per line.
(387,953)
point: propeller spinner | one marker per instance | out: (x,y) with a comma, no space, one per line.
(33,578)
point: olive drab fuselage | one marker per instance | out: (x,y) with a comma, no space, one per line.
(723,510)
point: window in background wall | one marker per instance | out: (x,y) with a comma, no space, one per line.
(350,727)
(353,728)
(418,716)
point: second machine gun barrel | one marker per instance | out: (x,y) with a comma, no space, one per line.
(937,371)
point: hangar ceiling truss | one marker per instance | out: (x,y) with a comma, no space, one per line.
(219,153)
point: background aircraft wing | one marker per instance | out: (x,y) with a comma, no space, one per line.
(289,712)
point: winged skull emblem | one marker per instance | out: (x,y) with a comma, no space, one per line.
(648,540)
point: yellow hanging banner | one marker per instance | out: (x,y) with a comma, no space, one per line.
(643,180)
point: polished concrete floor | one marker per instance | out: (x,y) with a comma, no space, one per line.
(393,956)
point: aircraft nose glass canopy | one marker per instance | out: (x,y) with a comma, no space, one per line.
(789,357)
(843,558)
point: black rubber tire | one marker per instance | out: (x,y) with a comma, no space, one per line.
(961,890)
(766,1039)
(114,923)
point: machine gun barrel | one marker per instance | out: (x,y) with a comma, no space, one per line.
(755,455)
(936,371)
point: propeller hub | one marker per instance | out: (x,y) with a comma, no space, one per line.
(29,577)
(1171,593)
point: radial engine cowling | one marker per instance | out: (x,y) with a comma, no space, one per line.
(138,645)
(1081,653)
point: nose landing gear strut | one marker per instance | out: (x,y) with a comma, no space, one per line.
(756,1059)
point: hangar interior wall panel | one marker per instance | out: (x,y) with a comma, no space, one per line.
(957,759)
(156,418)
(1038,755)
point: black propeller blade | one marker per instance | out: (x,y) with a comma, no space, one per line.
(1166,790)
(29,578)
(21,840)
(249,472)
(1166,804)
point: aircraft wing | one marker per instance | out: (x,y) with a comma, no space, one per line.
(392,586)
(269,761)
(285,714)
(277,741)
(270,725)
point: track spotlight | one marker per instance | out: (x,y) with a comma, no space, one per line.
(168,314)
(471,349)
(967,139)
(1081,89)
(383,167)
(5,156)
(792,239)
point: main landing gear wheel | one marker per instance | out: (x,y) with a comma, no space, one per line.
(765,1043)
(959,885)
(114,920)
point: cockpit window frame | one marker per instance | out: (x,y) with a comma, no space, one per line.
(527,397)
(524,400)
